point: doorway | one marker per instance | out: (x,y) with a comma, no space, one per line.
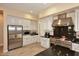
(1,31)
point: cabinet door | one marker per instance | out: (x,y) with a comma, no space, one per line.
(37,38)
(75,47)
(26,24)
(26,41)
(45,24)
(34,25)
(45,42)
(11,20)
(19,21)
(41,28)
(34,39)
(31,39)
(76,20)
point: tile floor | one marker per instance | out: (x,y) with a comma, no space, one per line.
(29,50)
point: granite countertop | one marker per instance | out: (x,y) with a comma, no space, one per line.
(76,41)
(44,37)
(30,35)
(57,50)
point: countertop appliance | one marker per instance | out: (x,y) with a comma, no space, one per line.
(15,36)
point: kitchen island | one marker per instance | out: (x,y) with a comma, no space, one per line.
(57,50)
(61,47)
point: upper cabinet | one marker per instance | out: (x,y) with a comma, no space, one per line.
(76,20)
(34,25)
(12,20)
(27,24)
(45,24)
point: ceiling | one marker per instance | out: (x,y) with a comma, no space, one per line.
(36,8)
(33,8)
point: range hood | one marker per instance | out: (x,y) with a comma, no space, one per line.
(63,22)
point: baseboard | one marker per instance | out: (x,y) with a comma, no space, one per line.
(1,44)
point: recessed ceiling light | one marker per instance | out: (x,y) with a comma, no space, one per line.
(31,11)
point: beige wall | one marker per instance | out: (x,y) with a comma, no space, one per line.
(1,29)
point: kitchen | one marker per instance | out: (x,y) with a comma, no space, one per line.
(39,31)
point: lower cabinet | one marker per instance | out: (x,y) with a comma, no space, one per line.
(75,47)
(28,39)
(45,42)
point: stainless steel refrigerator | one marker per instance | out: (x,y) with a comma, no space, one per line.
(15,36)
